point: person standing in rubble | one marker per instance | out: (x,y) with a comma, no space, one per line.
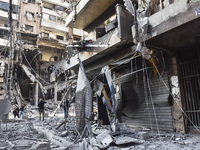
(66,107)
(41,108)
(16,112)
(22,108)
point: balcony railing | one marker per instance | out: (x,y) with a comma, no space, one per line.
(54,25)
(4,15)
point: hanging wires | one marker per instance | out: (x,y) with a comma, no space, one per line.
(149,88)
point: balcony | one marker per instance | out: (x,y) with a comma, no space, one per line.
(4,43)
(54,25)
(52,12)
(56,2)
(15,2)
(117,42)
(4,15)
(176,26)
(86,12)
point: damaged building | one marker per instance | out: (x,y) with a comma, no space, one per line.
(130,64)
(152,54)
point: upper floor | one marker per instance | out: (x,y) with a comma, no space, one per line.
(115,24)
(4,7)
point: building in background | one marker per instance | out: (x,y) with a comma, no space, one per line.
(40,38)
(4,9)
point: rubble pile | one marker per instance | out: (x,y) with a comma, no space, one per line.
(19,134)
(56,133)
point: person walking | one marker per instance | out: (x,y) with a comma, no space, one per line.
(41,108)
(21,112)
(16,112)
(66,107)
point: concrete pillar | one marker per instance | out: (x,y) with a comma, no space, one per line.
(36,94)
(178,115)
(55,91)
(70,30)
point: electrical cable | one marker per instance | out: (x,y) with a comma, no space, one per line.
(145,92)
(156,119)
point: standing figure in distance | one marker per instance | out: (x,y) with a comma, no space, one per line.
(21,112)
(41,108)
(16,112)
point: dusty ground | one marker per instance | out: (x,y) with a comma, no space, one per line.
(20,134)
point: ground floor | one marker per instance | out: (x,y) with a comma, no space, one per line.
(31,133)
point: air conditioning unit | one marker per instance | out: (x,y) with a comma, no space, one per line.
(25,1)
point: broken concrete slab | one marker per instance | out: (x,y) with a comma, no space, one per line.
(52,137)
(143,135)
(104,138)
(41,146)
(123,139)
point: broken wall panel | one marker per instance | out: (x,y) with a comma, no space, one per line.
(138,108)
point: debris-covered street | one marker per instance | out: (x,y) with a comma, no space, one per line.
(30,133)
(99,75)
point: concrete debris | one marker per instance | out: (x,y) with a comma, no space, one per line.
(104,138)
(122,139)
(41,146)
(33,134)
(143,135)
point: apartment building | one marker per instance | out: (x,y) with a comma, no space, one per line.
(44,37)
(4,8)
(156,83)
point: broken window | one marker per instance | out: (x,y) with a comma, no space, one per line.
(45,16)
(30,15)
(59,8)
(31,1)
(4,34)
(52,18)
(60,37)
(29,28)
(60,20)
(49,6)
(15,9)
(5,6)
(44,34)
(77,38)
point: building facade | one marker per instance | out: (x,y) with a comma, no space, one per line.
(151,58)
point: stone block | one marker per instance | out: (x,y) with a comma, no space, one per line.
(41,146)
(143,135)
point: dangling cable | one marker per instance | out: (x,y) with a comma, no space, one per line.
(145,92)
(152,101)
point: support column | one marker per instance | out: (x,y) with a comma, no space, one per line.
(70,29)
(55,91)
(178,115)
(36,94)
